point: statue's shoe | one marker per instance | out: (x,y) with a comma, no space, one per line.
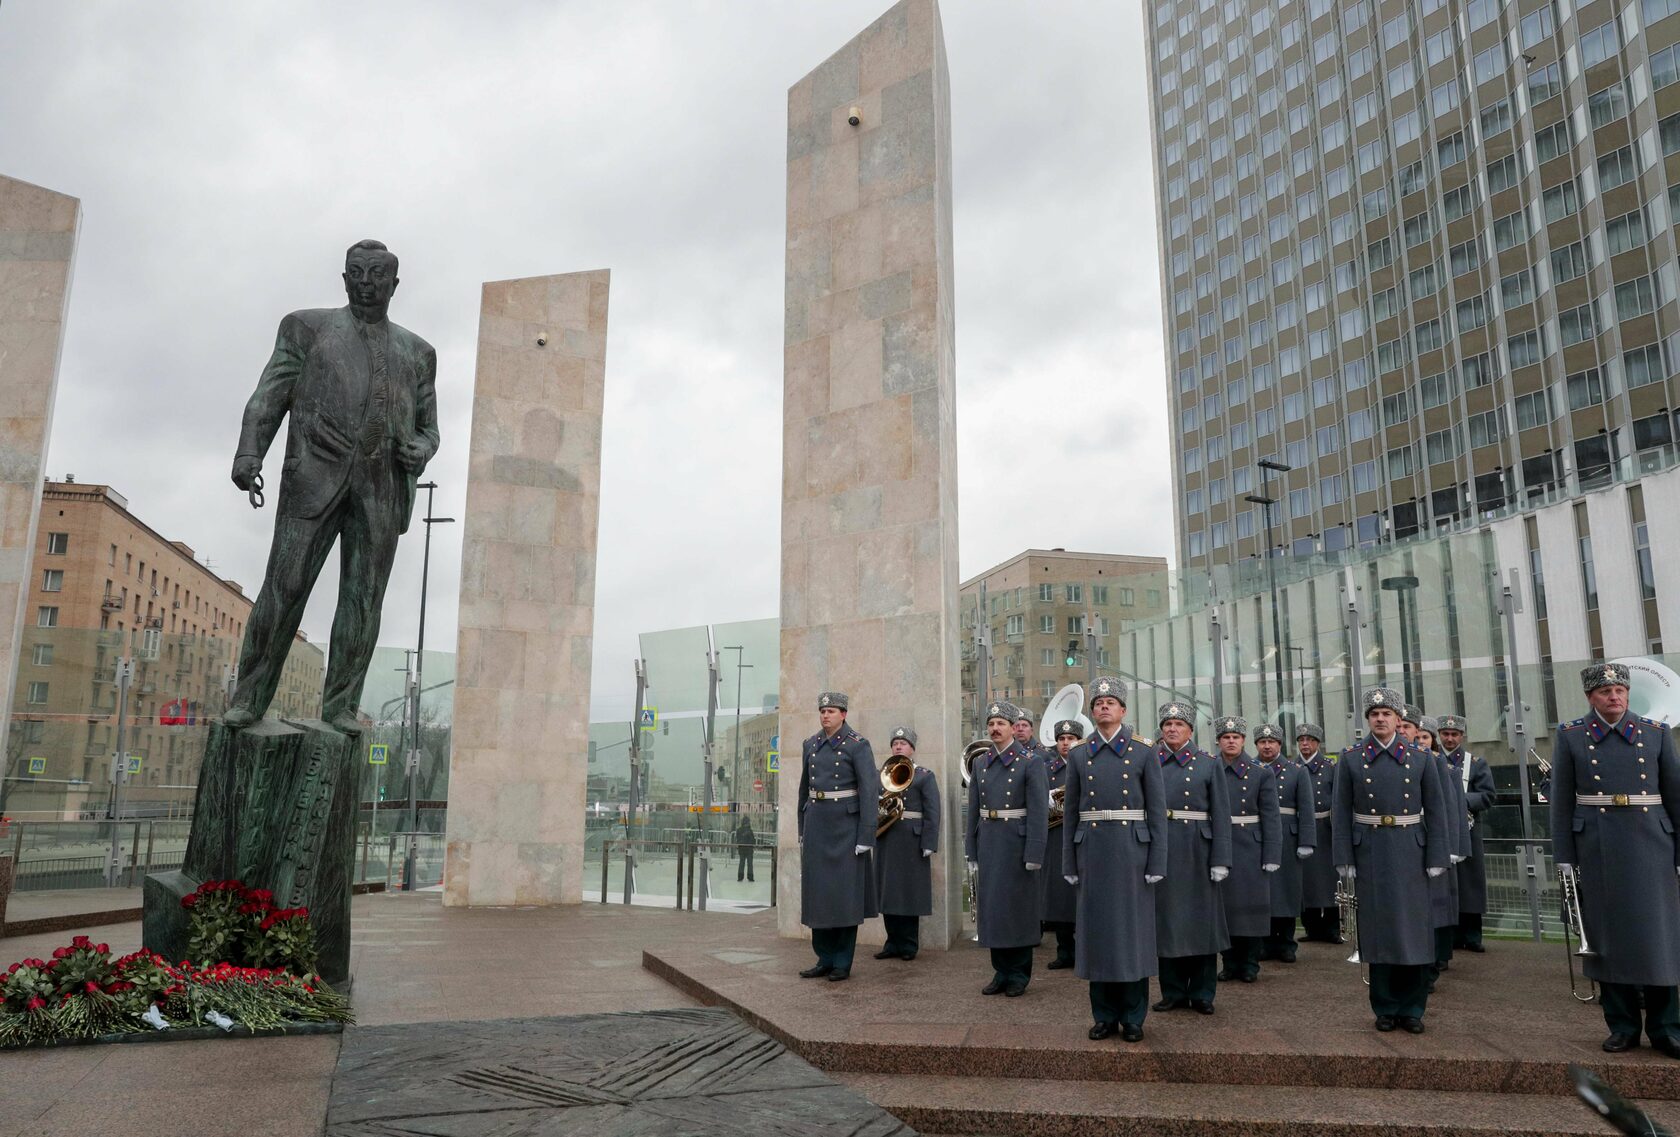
(345,722)
(238,718)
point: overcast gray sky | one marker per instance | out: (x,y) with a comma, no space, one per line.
(225,155)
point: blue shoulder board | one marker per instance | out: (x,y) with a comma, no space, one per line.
(1576,725)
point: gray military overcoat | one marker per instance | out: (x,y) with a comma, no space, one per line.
(1114,937)
(903,873)
(1189,910)
(1318,874)
(1252,789)
(1478,799)
(1443,890)
(1006,893)
(1625,854)
(837,884)
(1059,899)
(1395,921)
(1295,820)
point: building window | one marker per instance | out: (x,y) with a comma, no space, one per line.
(1589,578)
(1653,432)
(1074,593)
(1014,625)
(59,543)
(1486,428)
(42,655)
(1586,389)
(1535,409)
(1526,348)
(1076,625)
(1046,593)
(1643,366)
(1047,625)
(1574,326)
(1153,596)
(1600,44)
(37,693)
(52,580)
(46,617)
(1048,658)
(1642,554)
(1128,597)
(1441,445)
(1099,594)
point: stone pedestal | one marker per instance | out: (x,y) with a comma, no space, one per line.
(869,458)
(276,809)
(519,756)
(37,245)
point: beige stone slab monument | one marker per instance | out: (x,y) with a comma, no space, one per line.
(519,749)
(869,454)
(38,230)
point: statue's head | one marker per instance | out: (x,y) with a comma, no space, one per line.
(370,275)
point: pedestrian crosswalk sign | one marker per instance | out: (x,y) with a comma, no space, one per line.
(773,762)
(649,719)
(37,765)
(134,763)
(379,753)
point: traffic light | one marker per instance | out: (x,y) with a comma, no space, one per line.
(1072,653)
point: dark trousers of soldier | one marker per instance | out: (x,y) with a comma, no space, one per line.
(1400,990)
(1281,943)
(1188,978)
(1125,1003)
(1469,930)
(1621,1009)
(1012,965)
(1321,925)
(745,868)
(1444,940)
(1242,957)
(904,934)
(835,946)
(1064,939)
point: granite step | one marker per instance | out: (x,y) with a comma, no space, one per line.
(1035,1107)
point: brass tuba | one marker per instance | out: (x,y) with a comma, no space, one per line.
(896,777)
(973,750)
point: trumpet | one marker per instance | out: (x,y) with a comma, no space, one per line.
(1574,928)
(1058,802)
(1347,907)
(896,777)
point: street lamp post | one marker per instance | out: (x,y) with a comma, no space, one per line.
(735,760)
(414,711)
(1403,587)
(1265,500)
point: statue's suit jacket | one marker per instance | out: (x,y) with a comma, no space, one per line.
(321,375)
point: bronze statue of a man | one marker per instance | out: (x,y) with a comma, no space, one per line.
(361,393)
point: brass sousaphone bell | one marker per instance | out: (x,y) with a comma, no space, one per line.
(896,776)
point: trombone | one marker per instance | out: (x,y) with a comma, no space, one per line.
(1575,928)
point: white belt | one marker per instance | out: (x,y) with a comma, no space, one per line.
(1321,814)
(1187,815)
(1244,818)
(1384,820)
(910,815)
(1618,799)
(1002,814)
(834,795)
(1287,810)
(1113,815)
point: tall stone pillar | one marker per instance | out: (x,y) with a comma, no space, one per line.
(869,455)
(519,751)
(38,231)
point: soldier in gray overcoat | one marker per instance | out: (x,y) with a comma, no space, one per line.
(1256,850)
(1615,813)
(1114,849)
(1025,737)
(1384,792)
(904,857)
(1443,890)
(1320,919)
(1473,776)
(1190,926)
(1008,807)
(1299,838)
(1059,913)
(837,778)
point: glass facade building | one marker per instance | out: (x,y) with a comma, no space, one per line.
(1421,252)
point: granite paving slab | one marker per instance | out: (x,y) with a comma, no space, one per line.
(693,1073)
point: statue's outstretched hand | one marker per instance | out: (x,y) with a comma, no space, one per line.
(247,468)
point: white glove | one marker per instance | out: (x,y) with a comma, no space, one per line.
(154,1018)
(860,850)
(1435,871)
(1153,879)
(927,852)
(1455,859)
(1270,868)
(216,1018)
(1218,873)
(1302,852)
(1032,867)
(1071,879)
(1568,872)
(974,866)
(1347,872)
